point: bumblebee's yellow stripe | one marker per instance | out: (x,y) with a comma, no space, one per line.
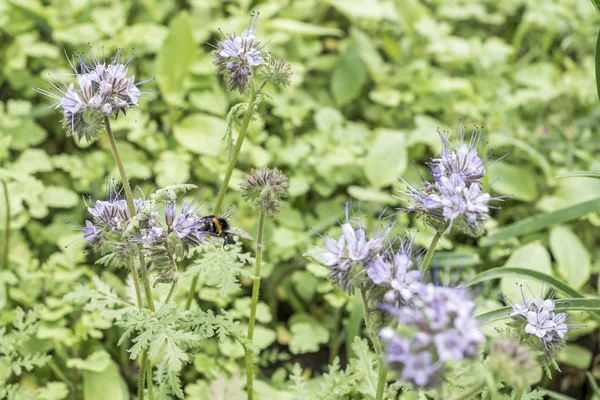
(218,227)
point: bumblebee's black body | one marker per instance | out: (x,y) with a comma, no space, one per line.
(218,226)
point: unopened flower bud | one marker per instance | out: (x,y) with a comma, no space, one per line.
(264,189)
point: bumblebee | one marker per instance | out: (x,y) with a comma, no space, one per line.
(217,225)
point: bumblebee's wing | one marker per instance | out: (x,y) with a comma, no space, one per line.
(228,211)
(239,232)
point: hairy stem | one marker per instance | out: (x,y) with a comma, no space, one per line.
(255,292)
(519,394)
(6,233)
(131,207)
(382,372)
(175,270)
(142,375)
(228,172)
(149,379)
(430,251)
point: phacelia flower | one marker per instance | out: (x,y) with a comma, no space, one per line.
(445,330)
(457,193)
(277,72)
(237,55)
(352,249)
(264,189)
(102,89)
(514,364)
(395,273)
(537,319)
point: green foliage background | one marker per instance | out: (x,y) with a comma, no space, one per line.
(373,79)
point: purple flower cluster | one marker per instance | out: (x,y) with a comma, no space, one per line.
(444,330)
(111,217)
(353,248)
(101,90)
(238,54)
(457,193)
(395,273)
(541,320)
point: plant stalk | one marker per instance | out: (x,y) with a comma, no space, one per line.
(149,379)
(255,292)
(131,207)
(142,375)
(229,172)
(382,372)
(430,251)
(6,234)
(519,394)
(175,270)
(470,393)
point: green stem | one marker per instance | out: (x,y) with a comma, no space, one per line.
(149,379)
(142,375)
(255,292)
(470,393)
(6,233)
(176,273)
(131,207)
(519,394)
(229,172)
(430,251)
(382,373)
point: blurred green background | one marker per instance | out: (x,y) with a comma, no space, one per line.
(373,79)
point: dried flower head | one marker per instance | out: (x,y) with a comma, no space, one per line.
(101,90)
(264,189)
(237,55)
(277,72)
(514,364)
(539,325)
(445,330)
(394,272)
(457,195)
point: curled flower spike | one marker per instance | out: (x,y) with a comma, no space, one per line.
(264,189)
(395,273)
(457,193)
(514,364)
(537,319)
(445,330)
(352,249)
(102,89)
(237,55)
(278,72)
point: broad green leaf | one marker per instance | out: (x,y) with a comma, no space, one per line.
(201,134)
(581,174)
(349,76)
(108,384)
(542,221)
(575,356)
(32,161)
(387,158)
(175,58)
(534,155)
(515,181)
(566,305)
(455,259)
(307,336)
(532,256)
(60,197)
(53,391)
(370,194)
(172,167)
(524,273)
(573,260)
(302,28)
(98,361)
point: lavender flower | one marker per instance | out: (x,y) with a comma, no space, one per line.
(395,274)
(457,193)
(538,318)
(102,90)
(353,248)
(237,55)
(445,329)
